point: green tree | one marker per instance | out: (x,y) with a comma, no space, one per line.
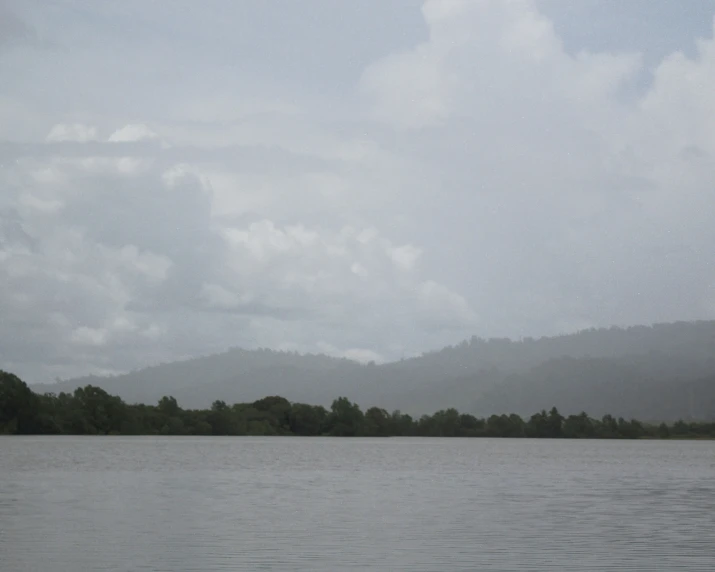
(402,424)
(168,406)
(307,419)
(277,412)
(505,426)
(470,426)
(223,419)
(378,423)
(680,428)
(555,423)
(96,411)
(345,418)
(91,410)
(579,426)
(538,425)
(663,431)
(608,428)
(19,406)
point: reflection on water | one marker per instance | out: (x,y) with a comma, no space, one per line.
(179,504)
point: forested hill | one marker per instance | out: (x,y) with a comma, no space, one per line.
(661,372)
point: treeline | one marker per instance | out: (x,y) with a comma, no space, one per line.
(92,411)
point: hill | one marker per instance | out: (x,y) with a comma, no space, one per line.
(660,372)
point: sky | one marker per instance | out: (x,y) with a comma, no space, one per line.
(362,179)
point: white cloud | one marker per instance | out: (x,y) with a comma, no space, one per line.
(359,270)
(415,89)
(444,308)
(471,174)
(153,332)
(405,257)
(180,173)
(89,336)
(412,90)
(30,201)
(132,132)
(487,55)
(75,132)
(264,240)
(102,164)
(150,265)
(219,297)
(367,235)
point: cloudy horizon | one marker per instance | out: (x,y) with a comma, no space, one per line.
(368,180)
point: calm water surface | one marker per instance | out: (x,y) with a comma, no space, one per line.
(178,504)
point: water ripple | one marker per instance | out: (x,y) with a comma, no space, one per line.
(179,505)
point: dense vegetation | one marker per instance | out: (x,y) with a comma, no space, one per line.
(92,411)
(654,373)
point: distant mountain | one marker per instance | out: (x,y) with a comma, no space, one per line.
(660,372)
(623,387)
(235,375)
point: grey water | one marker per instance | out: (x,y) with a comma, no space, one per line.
(206,504)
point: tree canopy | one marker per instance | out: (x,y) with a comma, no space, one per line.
(90,410)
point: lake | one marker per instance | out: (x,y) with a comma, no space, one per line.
(70,504)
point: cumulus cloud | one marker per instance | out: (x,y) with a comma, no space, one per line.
(405,256)
(474,175)
(443,308)
(131,132)
(221,298)
(89,336)
(73,132)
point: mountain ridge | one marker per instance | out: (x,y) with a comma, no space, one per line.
(478,374)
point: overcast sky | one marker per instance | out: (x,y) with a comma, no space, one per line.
(368,179)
